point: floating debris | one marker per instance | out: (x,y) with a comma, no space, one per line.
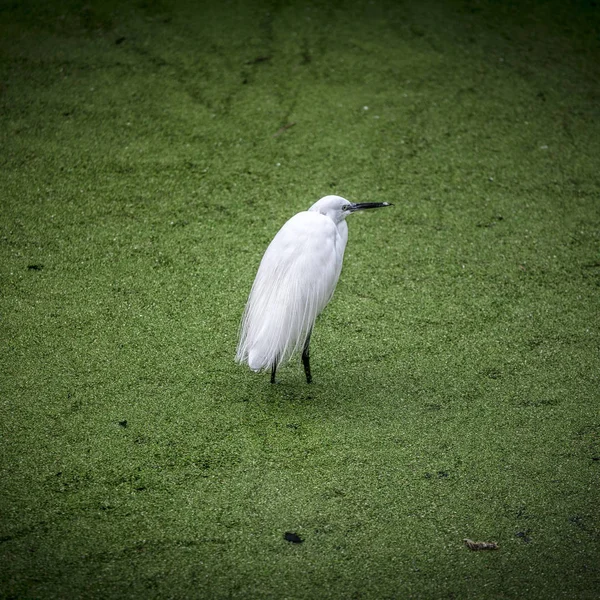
(257,60)
(471,545)
(283,129)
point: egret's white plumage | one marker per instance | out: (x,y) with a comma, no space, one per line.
(296,279)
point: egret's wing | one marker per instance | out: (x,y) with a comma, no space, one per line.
(295,280)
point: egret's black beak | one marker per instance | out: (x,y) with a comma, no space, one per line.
(365,205)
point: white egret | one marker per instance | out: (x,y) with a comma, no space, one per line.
(295,281)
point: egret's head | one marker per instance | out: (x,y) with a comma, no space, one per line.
(338,208)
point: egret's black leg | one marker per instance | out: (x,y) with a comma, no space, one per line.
(273,370)
(306,359)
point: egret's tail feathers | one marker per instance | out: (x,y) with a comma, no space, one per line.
(257,361)
(279,316)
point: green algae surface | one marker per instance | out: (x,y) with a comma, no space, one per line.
(149,153)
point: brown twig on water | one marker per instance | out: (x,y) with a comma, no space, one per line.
(471,545)
(282,129)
